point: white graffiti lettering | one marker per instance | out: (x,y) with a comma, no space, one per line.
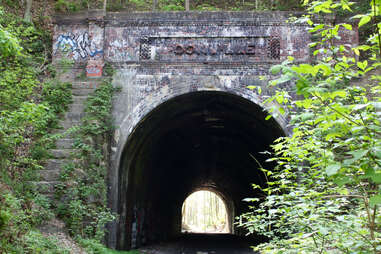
(77,46)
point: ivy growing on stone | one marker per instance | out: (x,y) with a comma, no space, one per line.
(82,193)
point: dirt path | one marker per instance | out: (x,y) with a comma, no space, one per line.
(202,244)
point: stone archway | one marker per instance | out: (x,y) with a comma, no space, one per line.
(191,141)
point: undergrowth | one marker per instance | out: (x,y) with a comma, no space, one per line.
(178,5)
(82,194)
(29,108)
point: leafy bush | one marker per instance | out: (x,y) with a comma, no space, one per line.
(9,45)
(17,219)
(325,194)
(28,109)
(82,195)
(35,242)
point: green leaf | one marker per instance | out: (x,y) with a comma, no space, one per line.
(326,70)
(282,79)
(362,65)
(376,178)
(340,181)
(259,90)
(339,93)
(332,169)
(333,135)
(275,69)
(358,154)
(377,152)
(347,26)
(375,200)
(358,16)
(306,116)
(306,69)
(364,20)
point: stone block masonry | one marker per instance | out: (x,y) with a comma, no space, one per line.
(61,155)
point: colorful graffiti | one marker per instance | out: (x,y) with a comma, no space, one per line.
(77,47)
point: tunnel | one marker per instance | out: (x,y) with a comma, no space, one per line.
(205,140)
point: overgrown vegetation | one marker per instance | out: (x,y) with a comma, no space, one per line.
(325,194)
(178,5)
(82,194)
(28,109)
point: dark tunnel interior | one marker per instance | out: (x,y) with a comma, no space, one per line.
(201,140)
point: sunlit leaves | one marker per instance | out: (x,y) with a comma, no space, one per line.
(332,169)
(375,200)
(364,20)
(275,69)
(9,44)
(334,151)
(362,65)
(347,26)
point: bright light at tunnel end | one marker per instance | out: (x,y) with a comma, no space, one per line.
(204,212)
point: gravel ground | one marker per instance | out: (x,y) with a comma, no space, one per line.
(202,244)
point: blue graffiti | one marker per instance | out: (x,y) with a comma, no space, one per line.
(80,46)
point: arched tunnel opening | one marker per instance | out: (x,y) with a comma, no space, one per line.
(200,140)
(205,211)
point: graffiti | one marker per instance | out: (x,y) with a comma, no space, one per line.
(191,49)
(93,71)
(212,49)
(120,50)
(76,46)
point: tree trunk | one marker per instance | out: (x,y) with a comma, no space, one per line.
(154,5)
(27,14)
(104,5)
(187,5)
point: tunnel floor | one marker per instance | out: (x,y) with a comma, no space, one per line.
(202,244)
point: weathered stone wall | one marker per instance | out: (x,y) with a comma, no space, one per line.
(160,56)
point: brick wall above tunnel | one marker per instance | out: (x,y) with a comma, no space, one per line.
(178,37)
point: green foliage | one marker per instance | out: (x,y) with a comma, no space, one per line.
(83,192)
(108,70)
(94,247)
(324,195)
(57,95)
(10,3)
(71,6)
(37,243)
(138,5)
(28,109)
(9,45)
(172,5)
(17,218)
(204,5)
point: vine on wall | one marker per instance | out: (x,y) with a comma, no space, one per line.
(82,193)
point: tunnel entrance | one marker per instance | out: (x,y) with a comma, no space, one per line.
(204,212)
(197,141)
